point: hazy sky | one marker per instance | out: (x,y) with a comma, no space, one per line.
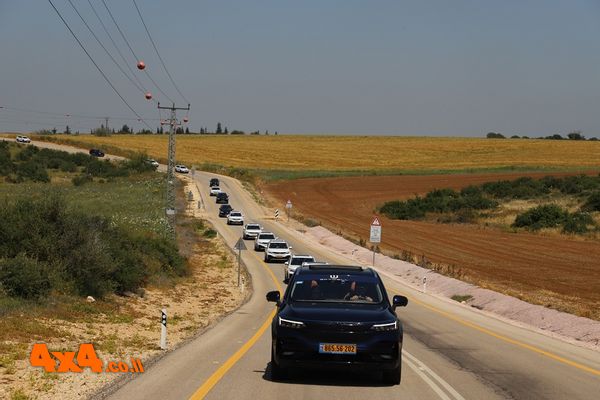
(443,67)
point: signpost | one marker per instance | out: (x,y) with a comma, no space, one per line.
(276,213)
(288,208)
(375,236)
(163,329)
(239,246)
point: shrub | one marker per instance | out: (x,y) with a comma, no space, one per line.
(578,223)
(24,277)
(544,216)
(82,179)
(592,203)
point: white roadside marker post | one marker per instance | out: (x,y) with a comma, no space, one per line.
(424,284)
(163,329)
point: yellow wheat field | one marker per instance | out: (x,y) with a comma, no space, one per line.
(339,153)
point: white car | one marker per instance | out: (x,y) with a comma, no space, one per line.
(235,218)
(277,249)
(262,239)
(314,264)
(23,139)
(152,162)
(293,263)
(181,169)
(252,230)
(215,190)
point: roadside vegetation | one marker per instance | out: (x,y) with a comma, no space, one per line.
(479,202)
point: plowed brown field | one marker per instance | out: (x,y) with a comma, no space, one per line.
(550,270)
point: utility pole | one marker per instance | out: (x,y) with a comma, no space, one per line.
(106,125)
(170,200)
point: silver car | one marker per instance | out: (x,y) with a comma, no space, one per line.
(251,231)
(262,239)
(294,262)
(277,249)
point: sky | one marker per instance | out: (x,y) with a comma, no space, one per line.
(358,67)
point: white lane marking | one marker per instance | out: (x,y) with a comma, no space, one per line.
(422,367)
(435,376)
(427,380)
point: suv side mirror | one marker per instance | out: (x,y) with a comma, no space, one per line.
(274,296)
(398,301)
(287,263)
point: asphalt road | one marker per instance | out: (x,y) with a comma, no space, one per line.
(450,351)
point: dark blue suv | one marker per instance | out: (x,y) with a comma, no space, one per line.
(336,317)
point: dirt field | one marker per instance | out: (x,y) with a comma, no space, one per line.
(354,153)
(548,270)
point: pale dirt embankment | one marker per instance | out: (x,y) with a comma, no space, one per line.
(195,303)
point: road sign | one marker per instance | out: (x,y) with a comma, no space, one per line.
(288,205)
(375,231)
(240,245)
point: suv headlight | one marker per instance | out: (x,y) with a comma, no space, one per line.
(288,323)
(390,326)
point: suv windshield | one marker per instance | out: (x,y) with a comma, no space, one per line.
(253,227)
(349,289)
(235,214)
(300,260)
(277,245)
(267,236)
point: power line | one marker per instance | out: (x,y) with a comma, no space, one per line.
(157,53)
(116,46)
(133,52)
(96,65)
(105,49)
(68,115)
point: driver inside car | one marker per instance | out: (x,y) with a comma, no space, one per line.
(357,293)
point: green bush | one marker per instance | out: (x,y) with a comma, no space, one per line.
(82,179)
(24,277)
(88,254)
(544,216)
(578,223)
(592,203)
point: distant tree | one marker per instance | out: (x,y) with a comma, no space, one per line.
(494,135)
(576,135)
(67,130)
(276,133)
(255,133)
(593,139)
(556,136)
(219,129)
(267,132)
(187,130)
(515,137)
(226,132)
(236,132)
(54,131)
(125,129)
(525,137)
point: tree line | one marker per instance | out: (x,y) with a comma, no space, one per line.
(574,135)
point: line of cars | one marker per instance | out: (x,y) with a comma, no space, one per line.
(331,316)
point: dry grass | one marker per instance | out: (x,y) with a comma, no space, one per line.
(348,153)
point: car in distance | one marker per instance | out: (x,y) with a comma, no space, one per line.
(152,162)
(182,169)
(224,210)
(235,218)
(215,190)
(96,153)
(22,139)
(262,239)
(214,182)
(336,317)
(294,262)
(277,249)
(222,198)
(251,230)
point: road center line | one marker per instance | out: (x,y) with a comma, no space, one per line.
(427,380)
(231,361)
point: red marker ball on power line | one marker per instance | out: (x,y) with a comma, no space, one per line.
(141,65)
(148,96)
(186,119)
